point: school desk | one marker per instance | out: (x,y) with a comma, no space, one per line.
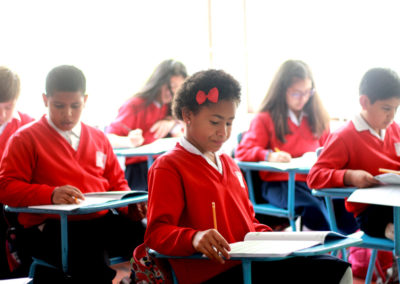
(328,246)
(82,210)
(150,151)
(368,242)
(292,169)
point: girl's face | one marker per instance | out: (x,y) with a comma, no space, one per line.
(211,126)
(298,94)
(168,90)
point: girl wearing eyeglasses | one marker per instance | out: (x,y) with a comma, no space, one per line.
(291,121)
(146,117)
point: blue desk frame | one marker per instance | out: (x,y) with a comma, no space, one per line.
(328,193)
(133,152)
(290,213)
(246,261)
(83,210)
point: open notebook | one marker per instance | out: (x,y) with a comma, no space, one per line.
(306,161)
(93,198)
(279,244)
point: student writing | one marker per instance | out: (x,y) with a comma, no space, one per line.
(291,122)
(146,117)
(56,160)
(185,181)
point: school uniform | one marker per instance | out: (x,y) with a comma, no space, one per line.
(356,146)
(7,129)
(137,113)
(259,141)
(40,158)
(183,183)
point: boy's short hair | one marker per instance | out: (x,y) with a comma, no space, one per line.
(65,78)
(228,89)
(9,85)
(380,84)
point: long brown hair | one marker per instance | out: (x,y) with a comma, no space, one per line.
(275,100)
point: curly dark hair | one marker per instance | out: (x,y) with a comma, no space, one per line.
(228,88)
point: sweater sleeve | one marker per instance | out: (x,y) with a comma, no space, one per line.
(165,206)
(125,121)
(16,172)
(255,142)
(329,169)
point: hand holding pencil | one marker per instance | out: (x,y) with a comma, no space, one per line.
(279,156)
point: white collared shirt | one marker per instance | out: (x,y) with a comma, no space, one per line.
(72,136)
(361,125)
(192,149)
(3,126)
(294,119)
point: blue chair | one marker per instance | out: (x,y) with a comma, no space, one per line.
(368,242)
(251,170)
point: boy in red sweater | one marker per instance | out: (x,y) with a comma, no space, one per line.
(353,154)
(55,161)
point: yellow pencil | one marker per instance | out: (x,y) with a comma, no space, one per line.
(276,149)
(389,171)
(214,215)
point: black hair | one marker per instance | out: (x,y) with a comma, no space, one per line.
(380,84)
(228,89)
(65,78)
(9,85)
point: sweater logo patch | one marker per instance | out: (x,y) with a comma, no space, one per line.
(397,148)
(101,159)
(240,178)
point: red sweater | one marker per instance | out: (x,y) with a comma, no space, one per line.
(349,149)
(261,137)
(135,114)
(38,159)
(11,127)
(182,187)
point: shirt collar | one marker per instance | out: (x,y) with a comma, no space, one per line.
(293,117)
(361,125)
(192,149)
(76,130)
(157,104)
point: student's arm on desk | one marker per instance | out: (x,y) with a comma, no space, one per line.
(16,173)
(134,139)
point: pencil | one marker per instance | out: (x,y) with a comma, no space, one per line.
(214,215)
(389,171)
(276,149)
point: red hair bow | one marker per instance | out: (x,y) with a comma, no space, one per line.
(212,96)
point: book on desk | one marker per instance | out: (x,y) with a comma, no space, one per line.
(93,198)
(388,195)
(279,244)
(307,160)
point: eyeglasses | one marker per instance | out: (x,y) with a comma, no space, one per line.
(300,94)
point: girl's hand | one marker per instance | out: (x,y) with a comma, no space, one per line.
(211,244)
(280,157)
(66,194)
(162,127)
(135,137)
(359,178)
(138,211)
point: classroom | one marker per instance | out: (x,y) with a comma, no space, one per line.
(119,46)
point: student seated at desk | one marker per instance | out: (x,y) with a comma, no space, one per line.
(146,117)
(291,122)
(54,161)
(353,154)
(10,121)
(184,182)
